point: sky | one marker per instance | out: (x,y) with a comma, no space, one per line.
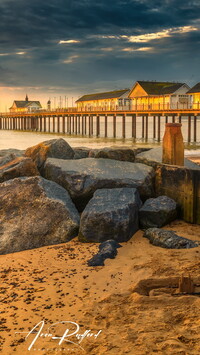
(68,48)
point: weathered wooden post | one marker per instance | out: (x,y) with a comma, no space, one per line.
(114,126)
(146,128)
(106,126)
(97,126)
(53,124)
(189,129)
(58,123)
(195,128)
(158,128)
(134,125)
(63,124)
(124,126)
(142,126)
(173,147)
(154,127)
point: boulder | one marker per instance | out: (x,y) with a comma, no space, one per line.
(168,239)
(54,148)
(84,176)
(107,250)
(81,152)
(110,214)
(35,212)
(123,154)
(16,152)
(153,157)
(12,167)
(157,212)
(116,153)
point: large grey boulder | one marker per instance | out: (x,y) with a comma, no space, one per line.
(110,214)
(81,152)
(54,148)
(12,167)
(157,212)
(116,153)
(35,212)
(83,177)
(153,157)
(168,239)
(16,152)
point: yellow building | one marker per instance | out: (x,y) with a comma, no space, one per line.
(147,95)
(194,93)
(105,101)
(25,106)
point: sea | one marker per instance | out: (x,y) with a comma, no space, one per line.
(25,139)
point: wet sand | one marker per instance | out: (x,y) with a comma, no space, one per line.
(55,284)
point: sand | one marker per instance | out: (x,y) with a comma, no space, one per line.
(54,284)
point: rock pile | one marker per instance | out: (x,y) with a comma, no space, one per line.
(44,190)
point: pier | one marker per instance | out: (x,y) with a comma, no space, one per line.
(141,124)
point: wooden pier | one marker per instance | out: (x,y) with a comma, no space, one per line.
(97,123)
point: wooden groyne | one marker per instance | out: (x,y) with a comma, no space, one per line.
(97,123)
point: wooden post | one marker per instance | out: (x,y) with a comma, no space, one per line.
(166,119)
(195,128)
(123,126)
(70,124)
(40,123)
(189,128)
(49,128)
(142,126)
(58,123)
(83,117)
(91,122)
(106,126)
(173,147)
(114,126)
(79,124)
(158,128)
(86,124)
(154,127)
(75,124)
(179,118)
(134,126)
(45,123)
(97,126)
(53,124)
(146,133)
(173,118)
(63,124)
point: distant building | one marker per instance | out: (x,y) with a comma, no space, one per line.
(104,101)
(49,105)
(194,93)
(25,106)
(159,95)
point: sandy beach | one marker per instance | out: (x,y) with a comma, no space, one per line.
(54,284)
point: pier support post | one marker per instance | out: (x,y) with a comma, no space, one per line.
(189,129)
(97,126)
(45,127)
(114,126)
(106,126)
(58,123)
(49,124)
(53,124)
(195,128)
(124,126)
(158,128)
(134,125)
(63,123)
(142,126)
(154,127)
(79,124)
(146,128)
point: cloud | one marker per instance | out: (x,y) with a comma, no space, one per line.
(69,41)
(70,59)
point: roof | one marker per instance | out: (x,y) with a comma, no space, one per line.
(21,104)
(194,89)
(159,88)
(103,95)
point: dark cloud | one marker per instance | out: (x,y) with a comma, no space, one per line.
(36,27)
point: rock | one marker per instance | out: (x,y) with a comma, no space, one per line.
(54,148)
(81,152)
(16,152)
(168,239)
(110,214)
(107,249)
(122,154)
(35,212)
(12,167)
(157,212)
(83,177)
(153,157)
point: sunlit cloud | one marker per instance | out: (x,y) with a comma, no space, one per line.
(69,41)
(147,37)
(70,59)
(107,49)
(7,54)
(141,49)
